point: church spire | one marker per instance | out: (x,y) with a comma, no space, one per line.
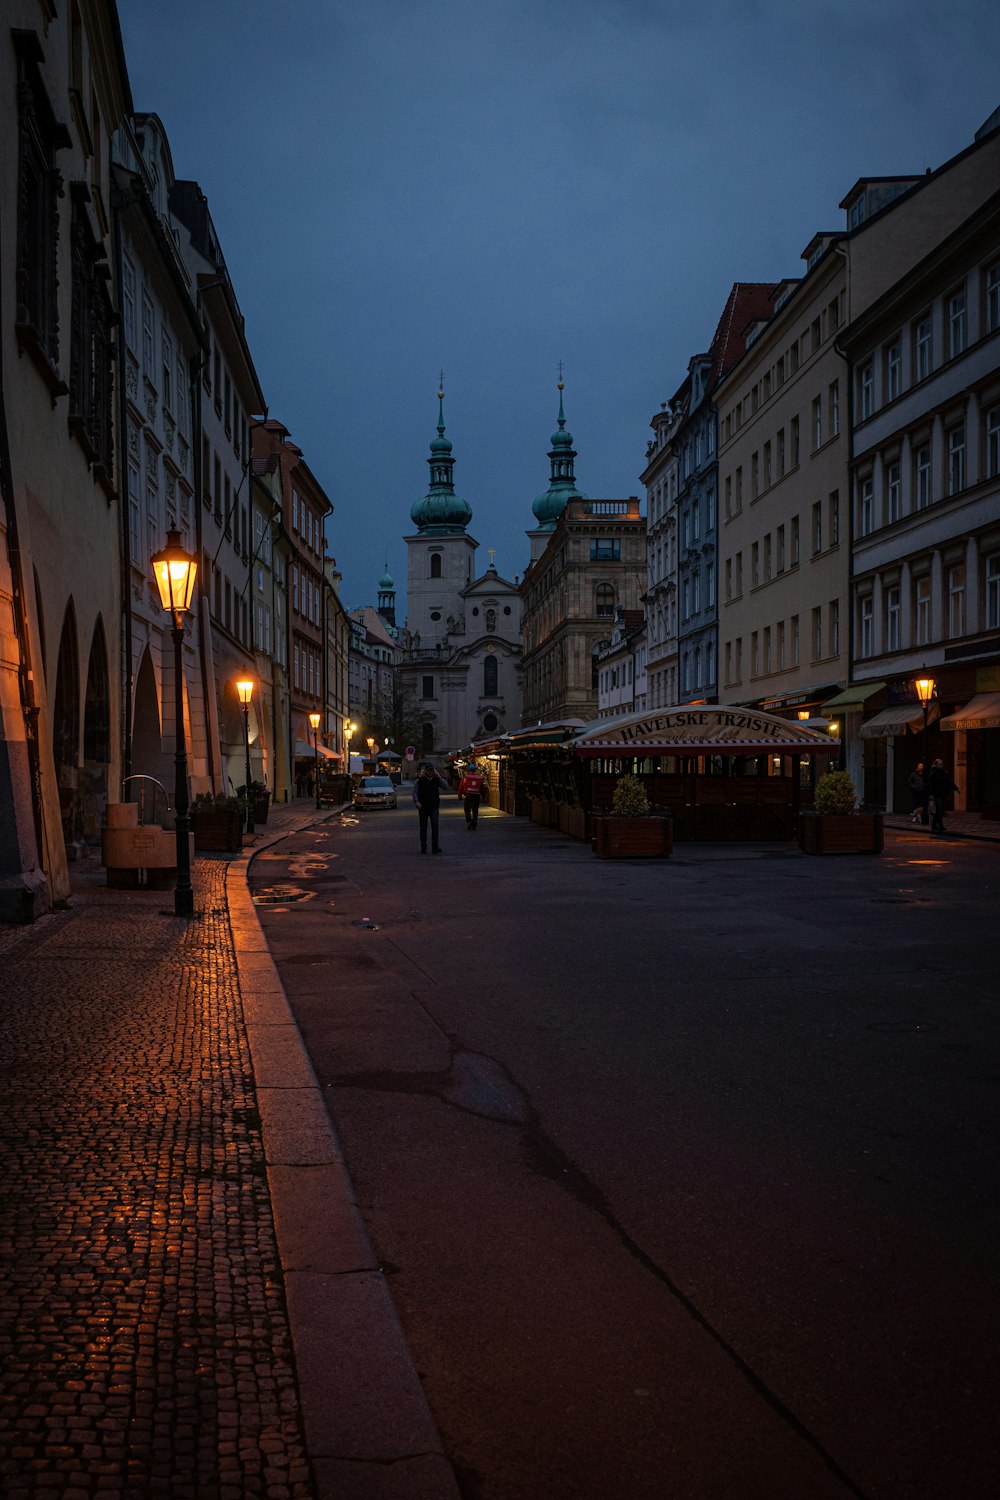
(441,511)
(549,506)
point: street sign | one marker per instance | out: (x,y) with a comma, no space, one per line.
(410,752)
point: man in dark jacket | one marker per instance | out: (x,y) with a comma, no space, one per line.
(939,784)
(427,796)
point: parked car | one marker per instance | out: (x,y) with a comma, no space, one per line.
(375,791)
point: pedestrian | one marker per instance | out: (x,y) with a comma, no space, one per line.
(470,789)
(918,791)
(939,784)
(427,798)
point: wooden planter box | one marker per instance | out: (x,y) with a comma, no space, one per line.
(841,833)
(218,832)
(632,838)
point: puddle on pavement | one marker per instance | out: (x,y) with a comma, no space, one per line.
(280,895)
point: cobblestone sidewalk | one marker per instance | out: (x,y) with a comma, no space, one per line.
(144,1341)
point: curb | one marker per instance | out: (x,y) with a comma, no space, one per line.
(904,825)
(369,1431)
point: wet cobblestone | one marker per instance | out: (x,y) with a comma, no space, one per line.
(144,1344)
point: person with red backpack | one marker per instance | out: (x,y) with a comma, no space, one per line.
(470,789)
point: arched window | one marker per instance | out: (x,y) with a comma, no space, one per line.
(435,565)
(490,677)
(604,601)
(96,708)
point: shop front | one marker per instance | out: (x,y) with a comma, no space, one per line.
(976,728)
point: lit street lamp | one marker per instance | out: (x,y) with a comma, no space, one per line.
(314,721)
(925,692)
(175,571)
(245,690)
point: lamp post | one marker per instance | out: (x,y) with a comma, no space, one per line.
(925,692)
(372,742)
(314,721)
(245,690)
(175,571)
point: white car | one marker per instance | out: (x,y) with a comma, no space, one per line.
(375,791)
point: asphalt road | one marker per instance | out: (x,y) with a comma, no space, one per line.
(684,1172)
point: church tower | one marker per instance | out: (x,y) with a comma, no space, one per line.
(551,503)
(440,556)
(387,597)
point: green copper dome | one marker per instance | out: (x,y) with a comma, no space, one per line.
(441,512)
(385,583)
(549,506)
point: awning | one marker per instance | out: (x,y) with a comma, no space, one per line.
(898,720)
(303,750)
(853,699)
(983,712)
(712,729)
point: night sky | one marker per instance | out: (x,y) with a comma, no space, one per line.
(492,186)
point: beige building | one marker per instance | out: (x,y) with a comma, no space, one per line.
(783,541)
(63,93)
(593,563)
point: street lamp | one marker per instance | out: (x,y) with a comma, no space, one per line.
(925,692)
(372,742)
(175,571)
(244,689)
(314,721)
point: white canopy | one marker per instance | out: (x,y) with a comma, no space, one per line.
(304,750)
(897,720)
(702,729)
(983,712)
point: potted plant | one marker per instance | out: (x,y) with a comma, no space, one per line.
(261,801)
(835,825)
(217,823)
(632,829)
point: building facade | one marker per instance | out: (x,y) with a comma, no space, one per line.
(63,93)
(622,682)
(660,600)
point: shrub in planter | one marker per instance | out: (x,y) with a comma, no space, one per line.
(631,829)
(835,827)
(217,823)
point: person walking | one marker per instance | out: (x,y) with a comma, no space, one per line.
(470,789)
(939,784)
(427,799)
(918,791)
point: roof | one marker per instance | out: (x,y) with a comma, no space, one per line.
(748,301)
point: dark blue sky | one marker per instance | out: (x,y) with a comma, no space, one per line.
(490,186)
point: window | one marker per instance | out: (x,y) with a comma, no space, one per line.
(38,188)
(993,592)
(817,334)
(893,370)
(766,657)
(795,542)
(709,584)
(922,476)
(133,514)
(993,442)
(739,575)
(490,677)
(866,505)
(695,522)
(427,687)
(833,518)
(817,528)
(793,626)
(781,644)
(817,423)
(893,494)
(817,633)
(604,601)
(795,441)
(739,488)
(128,300)
(91,344)
(780,550)
(435,565)
(755,565)
(956,601)
(754,475)
(834,404)
(922,349)
(767,557)
(729,578)
(767,466)
(866,615)
(833,626)
(922,610)
(993,298)
(754,655)
(956,323)
(147,336)
(956,460)
(892,619)
(866,390)
(605,549)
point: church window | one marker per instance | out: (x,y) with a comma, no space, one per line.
(491,619)
(490,723)
(506,609)
(435,565)
(490,677)
(435,614)
(427,687)
(476,611)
